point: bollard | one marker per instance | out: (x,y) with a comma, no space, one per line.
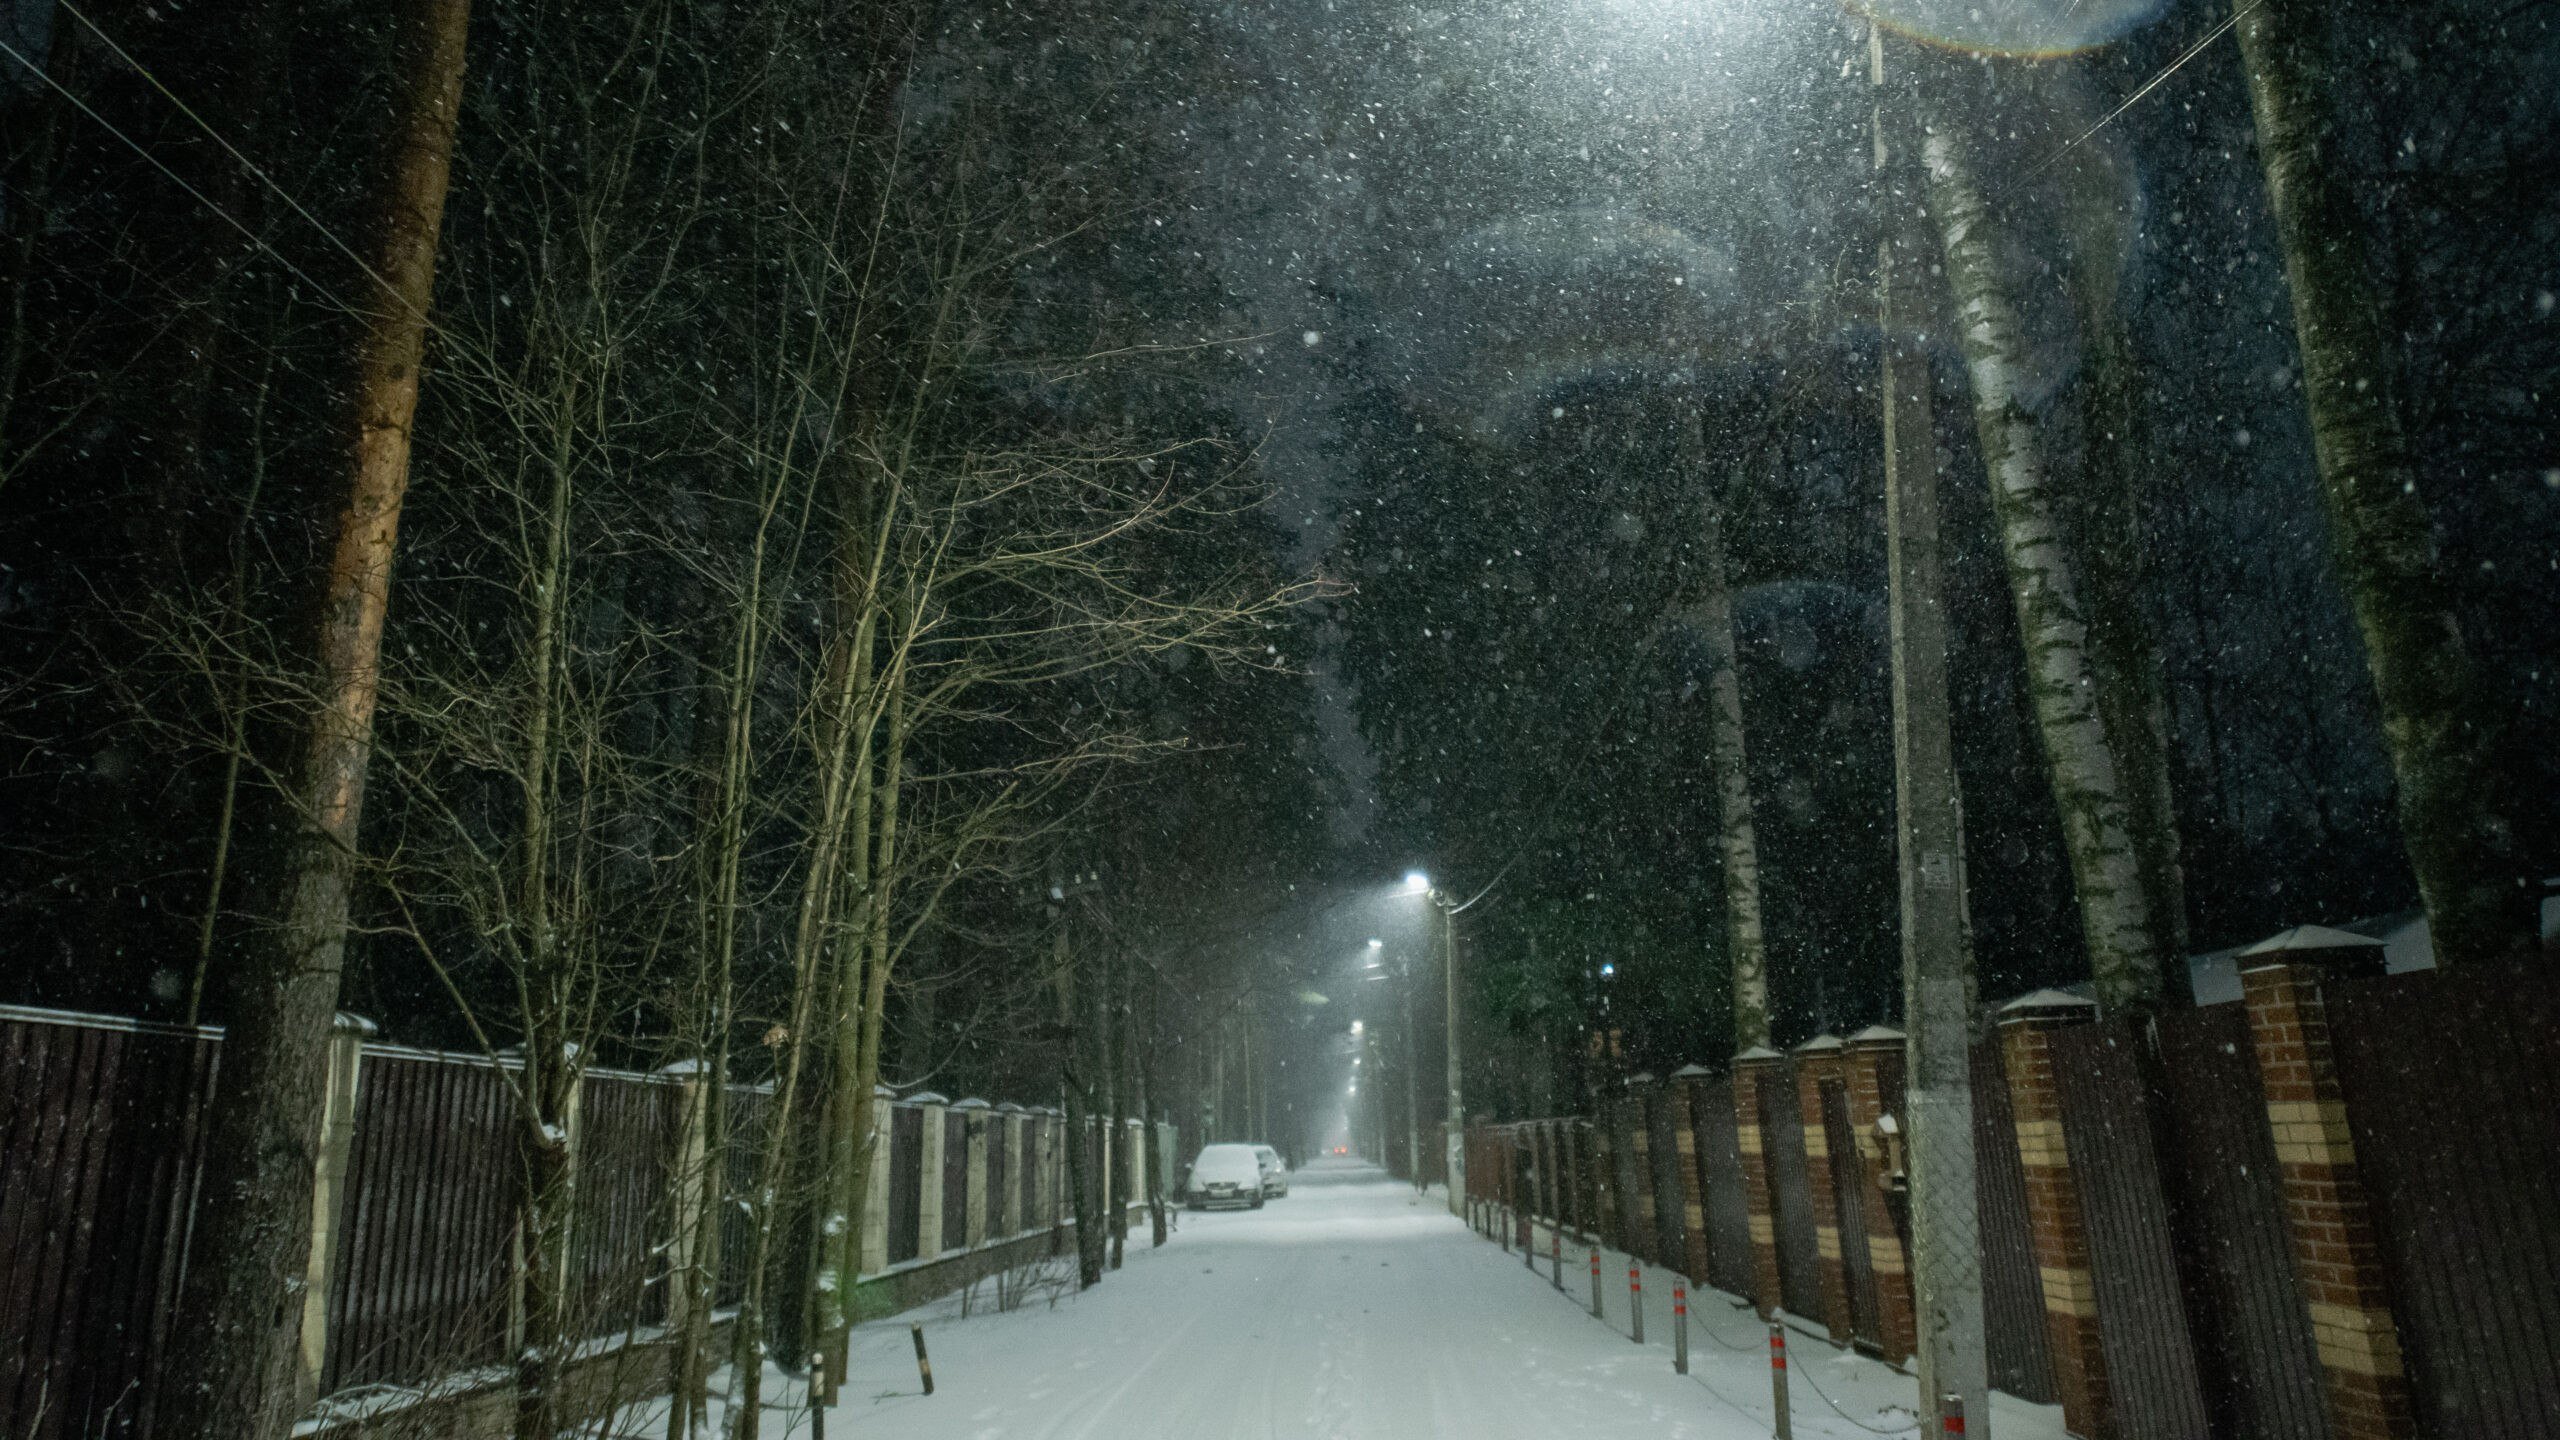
(1786,1428)
(817,1397)
(924,1367)
(1679,1325)
(1951,1415)
(1595,1281)
(1555,1254)
(1635,1301)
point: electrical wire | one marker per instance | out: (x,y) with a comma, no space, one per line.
(2154,83)
(233,151)
(179,180)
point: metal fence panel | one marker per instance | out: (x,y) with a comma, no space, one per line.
(955,1179)
(2142,1313)
(2225,1168)
(99,1154)
(1000,1133)
(748,1110)
(1728,1205)
(1670,1205)
(1849,1202)
(626,1148)
(2452,1084)
(2014,1334)
(432,1184)
(906,1187)
(1791,1192)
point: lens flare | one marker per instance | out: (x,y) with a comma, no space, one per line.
(2013,27)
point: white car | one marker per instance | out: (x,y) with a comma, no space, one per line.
(1225,1175)
(1275,1172)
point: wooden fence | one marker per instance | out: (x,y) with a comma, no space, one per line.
(99,1167)
(2328,1212)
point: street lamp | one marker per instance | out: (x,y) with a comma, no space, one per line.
(1453,1133)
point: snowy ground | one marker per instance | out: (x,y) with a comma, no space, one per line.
(1350,1311)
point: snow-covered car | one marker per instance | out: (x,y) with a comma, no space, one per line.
(1275,1172)
(1225,1175)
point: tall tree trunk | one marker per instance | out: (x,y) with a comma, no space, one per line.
(2444,744)
(1073,1084)
(2090,788)
(1113,1017)
(1150,1102)
(544,998)
(2110,510)
(1708,610)
(234,1366)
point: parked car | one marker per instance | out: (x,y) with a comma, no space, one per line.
(1275,1171)
(1225,1175)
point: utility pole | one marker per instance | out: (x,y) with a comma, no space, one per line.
(1937,955)
(1453,1138)
(1412,1066)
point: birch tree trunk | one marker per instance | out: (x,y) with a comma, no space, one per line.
(1709,612)
(2090,787)
(2107,514)
(234,1366)
(2444,746)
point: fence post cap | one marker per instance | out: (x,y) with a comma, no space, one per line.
(2038,1005)
(1878,1035)
(1641,1077)
(2340,950)
(1009,1108)
(1693,1072)
(350,1023)
(973,1104)
(883,1092)
(1757,1055)
(928,1098)
(1821,1044)
(683,1068)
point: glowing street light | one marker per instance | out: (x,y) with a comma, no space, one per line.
(1416,883)
(1377,944)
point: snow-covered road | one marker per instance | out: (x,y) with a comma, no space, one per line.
(1350,1311)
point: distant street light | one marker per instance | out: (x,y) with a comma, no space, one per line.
(1376,944)
(1416,883)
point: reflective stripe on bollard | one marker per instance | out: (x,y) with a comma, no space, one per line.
(1785,1423)
(1951,1415)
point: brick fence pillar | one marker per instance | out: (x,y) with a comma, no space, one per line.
(875,1186)
(1866,1059)
(1635,1169)
(2327,1213)
(973,1205)
(2054,1220)
(1818,1060)
(1006,1210)
(328,1194)
(1687,1082)
(1752,1069)
(1608,1197)
(930,1240)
